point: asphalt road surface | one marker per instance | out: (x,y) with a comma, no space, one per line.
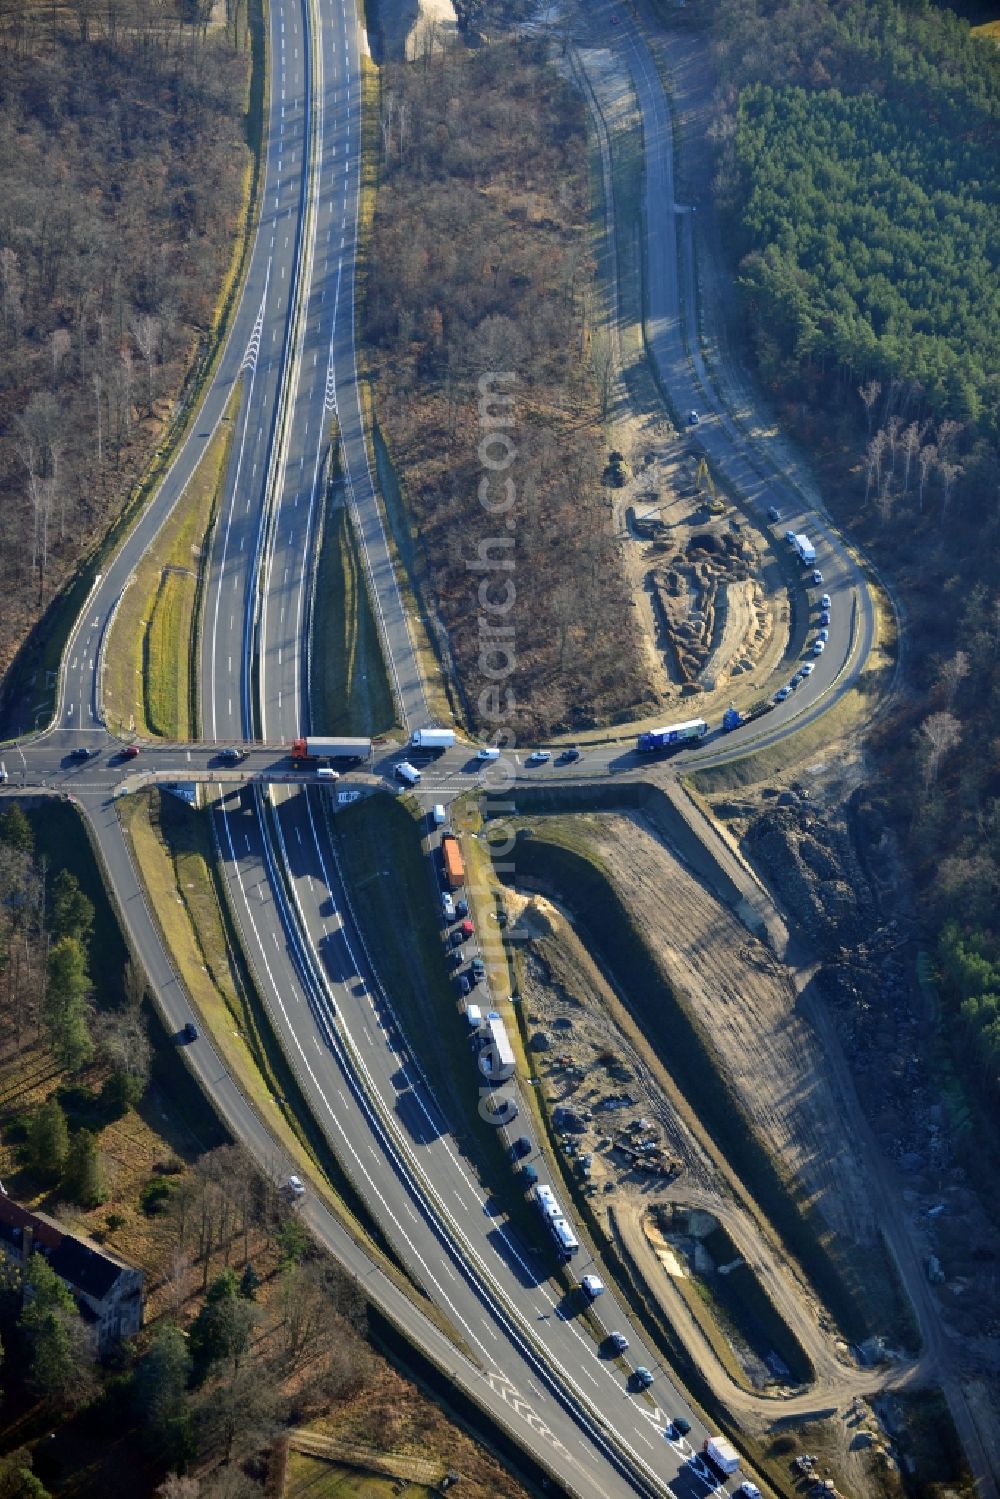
(527,1351)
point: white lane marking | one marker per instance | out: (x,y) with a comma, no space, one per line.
(229,518)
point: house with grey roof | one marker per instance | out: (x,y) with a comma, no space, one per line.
(109,1292)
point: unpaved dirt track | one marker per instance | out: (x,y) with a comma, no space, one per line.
(783,1058)
(744,1003)
(857,1187)
(684,58)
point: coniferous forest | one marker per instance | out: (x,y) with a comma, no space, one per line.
(859,174)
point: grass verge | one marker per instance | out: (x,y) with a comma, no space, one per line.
(627,174)
(349,689)
(812,742)
(410,572)
(315,1478)
(387,488)
(559,861)
(149,660)
(175,855)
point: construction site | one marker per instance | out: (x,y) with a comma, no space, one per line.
(649,1155)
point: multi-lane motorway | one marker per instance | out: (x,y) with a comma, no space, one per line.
(522,1348)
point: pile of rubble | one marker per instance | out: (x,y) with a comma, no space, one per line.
(690,592)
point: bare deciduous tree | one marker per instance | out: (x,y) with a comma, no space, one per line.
(885,500)
(926,459)
(146,332)
(949,473)
(873,461)
(911,447)
(951,675)
(179,1486)
(936,736)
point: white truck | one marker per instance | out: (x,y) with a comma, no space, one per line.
(805,549)
(722,1455)
(496,1057)
(439,739)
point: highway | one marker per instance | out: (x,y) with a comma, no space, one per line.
(284,887)
(521,1347)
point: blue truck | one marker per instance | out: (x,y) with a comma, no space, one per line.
(734,719)
(672,737)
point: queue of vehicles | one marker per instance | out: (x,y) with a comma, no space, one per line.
(496,1064)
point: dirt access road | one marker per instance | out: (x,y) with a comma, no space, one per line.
(684,59)
(783,1064)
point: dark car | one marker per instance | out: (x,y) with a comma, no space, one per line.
(520,1148)
(464,986)
(190,1032)
(679,1427)
(824,618)
(569,756)
(461,909)
(456,957)
(478,970)
(130,751)
(774,513)
(232,754)
(457,937)
(82,752)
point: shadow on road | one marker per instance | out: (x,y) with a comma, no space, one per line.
(527,1266)
(421,1127)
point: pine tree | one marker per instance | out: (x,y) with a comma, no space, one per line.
(72,912)
(249,1283)
(223,1327)
(159,1391)
(15,830)
(62,1355)
(84,1178)
(65,1012)
(48,1138)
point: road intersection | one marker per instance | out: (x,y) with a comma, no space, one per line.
(519,1347)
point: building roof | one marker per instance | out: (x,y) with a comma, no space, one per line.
(77,1261)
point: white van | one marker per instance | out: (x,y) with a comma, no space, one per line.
(488,752)
(327,773)
(438,815)
(407,773)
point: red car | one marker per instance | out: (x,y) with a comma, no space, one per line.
(466,929)
(130,751)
